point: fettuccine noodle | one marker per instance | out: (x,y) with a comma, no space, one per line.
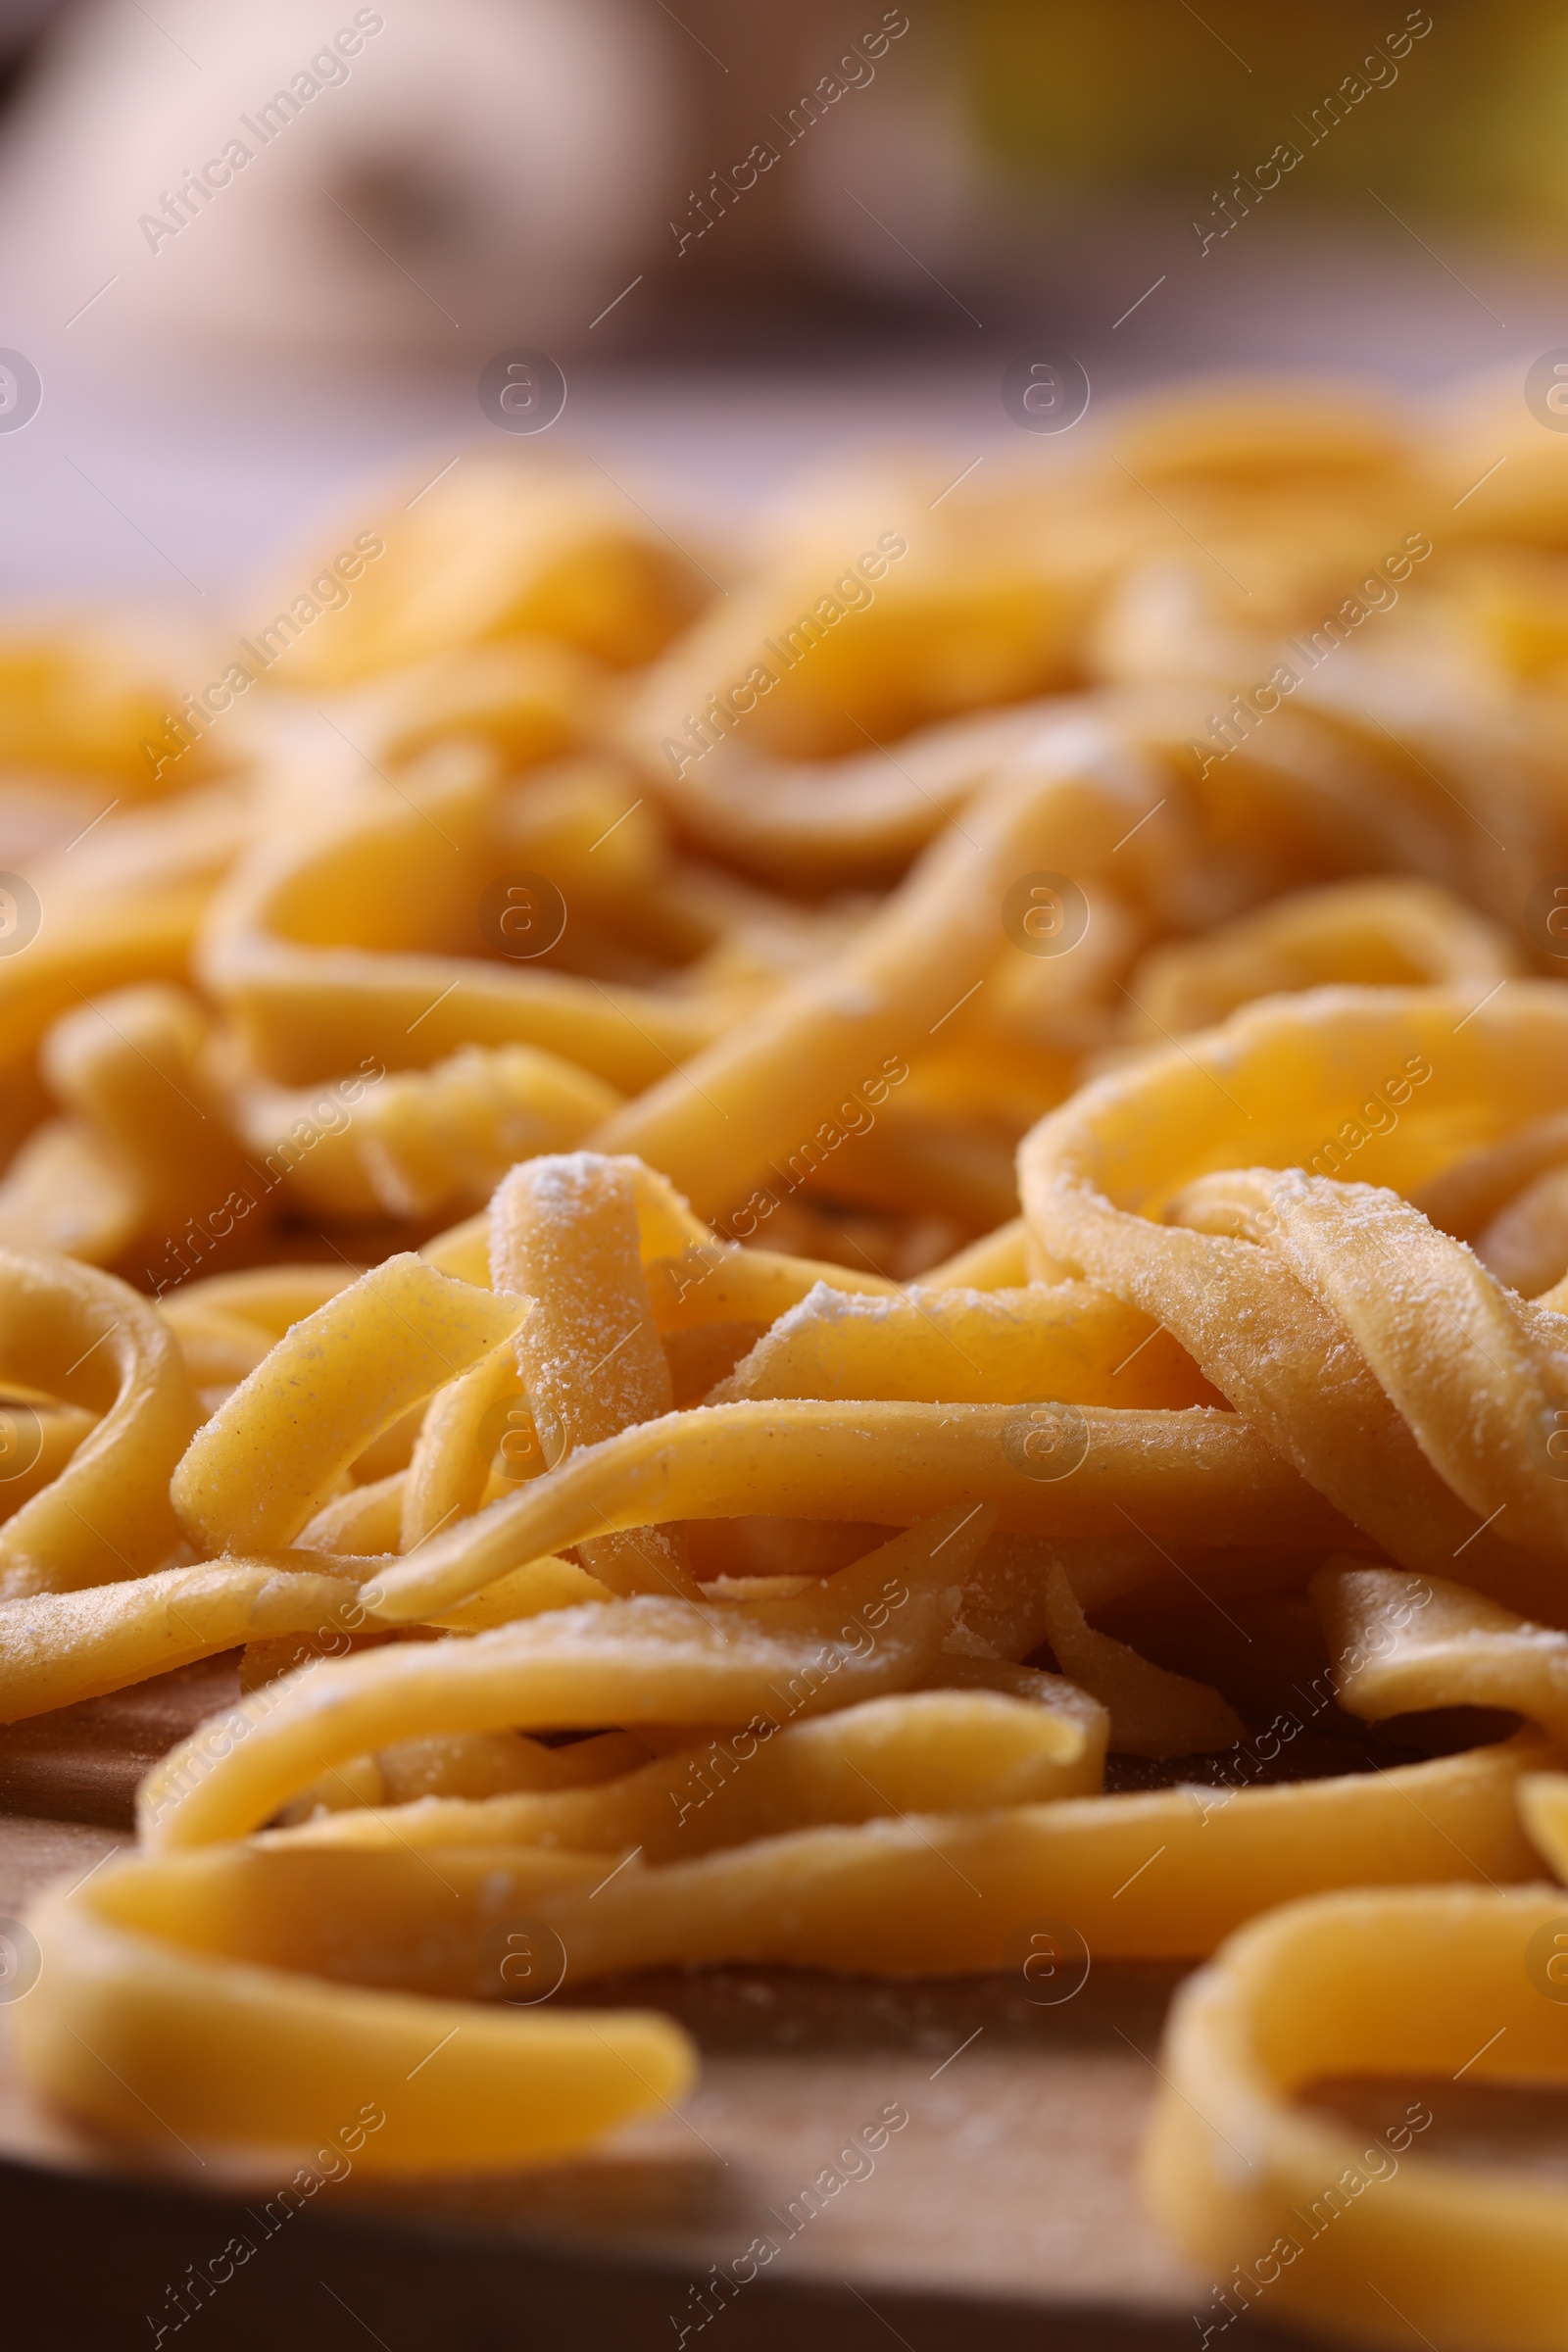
(767,1252)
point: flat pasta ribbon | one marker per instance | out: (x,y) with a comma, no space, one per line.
(1299,2212)
(82,1337)
(1373,1351)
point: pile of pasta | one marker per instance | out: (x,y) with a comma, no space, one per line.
(847,1248)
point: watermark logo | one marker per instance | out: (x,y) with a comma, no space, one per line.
(1378,1115)
(1547,391)
(1251,706)
(521,915)
(1045,913)
(1546,1434)
(724,707)
(1546,1959)
(1545,915)
(327,71)
(20,1961)
(1045,1441)
(522,391)
(20,913)
(855,1114)
(20,391)
(21,1439)
(329,591)
(1045,391)
(521,1961)
(507,1440)
(1051,1958)
(853,71)
(185,2297)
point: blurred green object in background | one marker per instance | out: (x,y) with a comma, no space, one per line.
(1464,105)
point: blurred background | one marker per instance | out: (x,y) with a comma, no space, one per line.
(611,325)
(256,254)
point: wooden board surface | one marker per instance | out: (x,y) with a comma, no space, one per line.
(83,1763)
(1008,2197)
(1004,2213)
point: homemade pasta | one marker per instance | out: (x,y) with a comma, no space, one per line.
(759,1230)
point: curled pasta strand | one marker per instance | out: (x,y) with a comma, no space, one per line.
(1280,1321)
(270,1455)
(1249,2178)
(1471,1406)
(131,2025)
(1404,1642)
(751,1095)
(82,1335)
(1199,1473)
(918,1752)
(1382,933)
(631,1661)
(880,1895)
(296,949)
(857,816)
(468,1424)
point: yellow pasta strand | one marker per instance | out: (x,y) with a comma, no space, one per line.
(642,1661)
(921,1753)
(58,1648)
(1290,2205)
(126,2018)
(1201,1474)
(564,1232)
(253,1475)
(84,1337)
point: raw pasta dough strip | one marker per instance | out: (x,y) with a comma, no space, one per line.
(228,1323)
(1387,932)
(1272,1085)
(147,1138)
(268,1457)
(1403,1643)
(819,820)
(467,1425)
(564,1233)
(1062,1341)
(876,1626)
(282,953)
(920,1751)
(146,2040)
(1173,1476)
(755,1093)
(79,1334)
(1473,1370)
(1293,2207)
(421,1142)
(171,1966)
(56,1430)
(881,1896)
(58,1647)
(700,1280)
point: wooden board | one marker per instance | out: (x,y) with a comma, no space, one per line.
(83,1763)
(1004,2213)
